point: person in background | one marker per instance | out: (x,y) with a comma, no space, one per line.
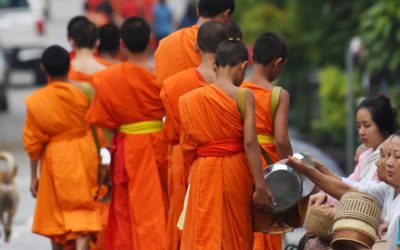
(226,175)
(127,101)
(109,41)
(162,25)
(55,134)
(272,107)
(190,16)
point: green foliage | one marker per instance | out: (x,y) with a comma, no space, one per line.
(380,33)
(330,124)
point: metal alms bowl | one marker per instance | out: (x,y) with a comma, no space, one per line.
(285,185)
(307,184)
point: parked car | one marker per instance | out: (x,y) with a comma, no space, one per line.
(22,26)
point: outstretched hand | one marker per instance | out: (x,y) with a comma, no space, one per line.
(298,165)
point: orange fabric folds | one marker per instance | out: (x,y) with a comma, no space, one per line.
(55,134)
(126,94)
(178,172)
(219,208)
(264,127)
(221,148)
(176,52)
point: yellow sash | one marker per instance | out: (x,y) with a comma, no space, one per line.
(145,127)
(265,139)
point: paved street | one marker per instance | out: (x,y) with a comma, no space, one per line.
(11,125)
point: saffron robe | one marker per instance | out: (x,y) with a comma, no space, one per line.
(178,172)
(126,94)
(55,134)
(177,52)
(264,127)
(219,208)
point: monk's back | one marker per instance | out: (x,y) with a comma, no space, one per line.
(129,93)
(58,107)
(263,107)
(209,114)
(176,52)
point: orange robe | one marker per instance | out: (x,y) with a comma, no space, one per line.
(264,127)
(219,209)
(78,76)
(173,88)
(126,94)
(176,52)
(55,133)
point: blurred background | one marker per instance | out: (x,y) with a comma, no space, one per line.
(339,52)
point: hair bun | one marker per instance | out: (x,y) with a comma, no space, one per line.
(383,97)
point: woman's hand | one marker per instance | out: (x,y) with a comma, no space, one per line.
(318,199)
(298,165)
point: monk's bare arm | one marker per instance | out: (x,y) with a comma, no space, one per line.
(261,196)
(34,179)
(328,184)
(282,142)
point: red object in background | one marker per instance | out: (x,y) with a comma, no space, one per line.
(40,26)
(250,51)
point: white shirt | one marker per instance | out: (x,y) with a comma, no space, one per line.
(385,194)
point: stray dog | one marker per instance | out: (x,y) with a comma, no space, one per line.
(8,193)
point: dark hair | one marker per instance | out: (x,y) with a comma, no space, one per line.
(73,21)
(269,46)
(135,32)
(56,62)
(210,35)
(382,113)
(234,31)
(109,39)
(212,8)
(83,33)
(230,53)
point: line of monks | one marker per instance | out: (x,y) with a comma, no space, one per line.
(174,125)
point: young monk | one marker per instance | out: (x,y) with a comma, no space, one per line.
(177,51)
(211,34)
(220,144)
(82,35)
(55,134)
(127,101)
(269,56)
(108,49)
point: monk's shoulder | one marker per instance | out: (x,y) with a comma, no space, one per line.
(173,39)
(182,78)
(194,94)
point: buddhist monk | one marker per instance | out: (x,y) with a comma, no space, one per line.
(108,49)
(211,34)
(82,35)
(220,143)
(269,56)
(178,51)
(55,135)
(127,100)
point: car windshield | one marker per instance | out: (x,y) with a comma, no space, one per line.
(13,4)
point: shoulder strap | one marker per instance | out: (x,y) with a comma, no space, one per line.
(241,102)
(276,91)
(88,90)
(89,93)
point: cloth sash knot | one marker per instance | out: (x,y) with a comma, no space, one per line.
(265,139)
(144,127)
(221,148)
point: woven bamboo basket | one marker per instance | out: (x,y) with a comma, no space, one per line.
(356,220)
(318,222)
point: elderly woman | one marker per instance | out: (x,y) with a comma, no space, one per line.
(376,120)
(386,193)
